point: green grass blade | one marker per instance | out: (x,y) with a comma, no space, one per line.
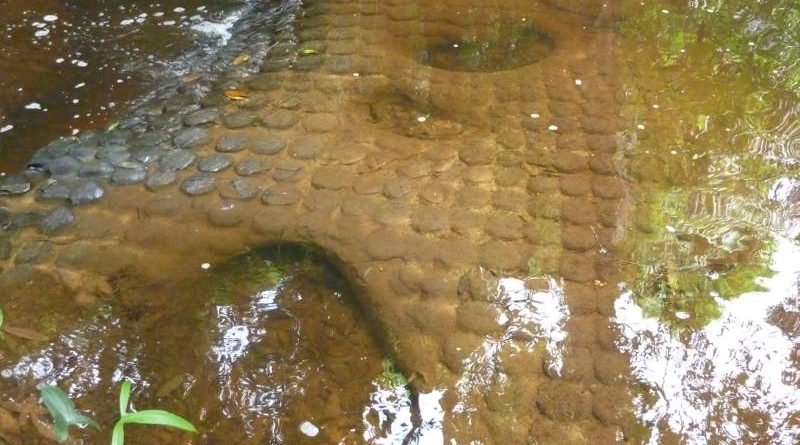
(118,435)
(159,417)
(124,397)
(63,412)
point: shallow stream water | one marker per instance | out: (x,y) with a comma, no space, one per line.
(689,311)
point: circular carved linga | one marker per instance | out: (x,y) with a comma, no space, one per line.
(497,48)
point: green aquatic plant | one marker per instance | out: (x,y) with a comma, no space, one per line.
(63,412)
(145,417)
(391,376)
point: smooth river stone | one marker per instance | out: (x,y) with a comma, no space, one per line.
(191,137)
(214,163)
(147,156)
(14,185)
(56,220)
(127,176)
(160,179)
(176,160)
(268,145)
(281,195)
(307,147)
(231,143)
(279,119)
(320,122)
(238,189)
(238,119)
(34,252)
(201,117)
(251,166)
(65,165)
(85,192)
(198,184)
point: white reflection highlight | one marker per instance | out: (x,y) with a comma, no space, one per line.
(393,409)
(737,364)
(530,314)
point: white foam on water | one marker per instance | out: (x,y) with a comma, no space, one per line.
(221,30)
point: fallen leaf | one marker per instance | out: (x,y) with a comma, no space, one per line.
(240,59)
(27,334)
(235,94)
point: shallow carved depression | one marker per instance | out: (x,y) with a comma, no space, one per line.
(502,47)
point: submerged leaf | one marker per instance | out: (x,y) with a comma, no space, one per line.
(240,59)
(63,412)
(235,94)
(27,334)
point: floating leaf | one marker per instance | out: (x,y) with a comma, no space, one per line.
(63,412)
(241,58)
(235,94)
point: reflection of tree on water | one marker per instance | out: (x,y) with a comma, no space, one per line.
(709,152)
(693,258)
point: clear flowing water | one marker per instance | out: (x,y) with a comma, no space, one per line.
(72,66)
(268,347)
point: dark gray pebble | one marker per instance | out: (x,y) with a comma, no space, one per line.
(191,137)
(238,189)
(95,169)
(64,165)
(238,119)
(56,220)
(85,192)
(14,185)
(198,184)
(160,179)
(176,160)
(34,252)
(201,117)
(251,166)
(126,176)
(214,163)
(231,143)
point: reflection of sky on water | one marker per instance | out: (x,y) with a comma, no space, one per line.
(738,365)
(534,314)
(538,314)
(388,419)
(76,357)
(237,333)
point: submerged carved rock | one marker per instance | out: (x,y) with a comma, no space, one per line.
(446,230)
